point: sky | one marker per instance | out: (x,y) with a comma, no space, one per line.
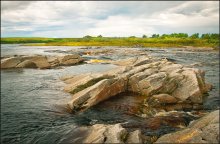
(107,18)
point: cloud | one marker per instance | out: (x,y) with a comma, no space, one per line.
(109,18)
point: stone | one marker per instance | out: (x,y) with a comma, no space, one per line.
(203,130)
(98,133)
(134,137)
(163,99)
(190,87)
(70,59)
(40,61)
(125,62)
(152,84)
(171,84)
(96,93)
(81,82)
(27,64)
(10,62)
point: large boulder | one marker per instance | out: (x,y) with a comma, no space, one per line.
(10,62)
(27,64)
(134,137)
(70,59)
(96,93)
(38,61)
(203,130)
(163,99)
(173,85)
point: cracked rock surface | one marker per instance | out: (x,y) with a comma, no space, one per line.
(204,130)
(39,61)
(178,87)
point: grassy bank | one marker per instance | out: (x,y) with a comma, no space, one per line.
(106,41)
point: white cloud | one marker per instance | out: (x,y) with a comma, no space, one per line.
(109,18)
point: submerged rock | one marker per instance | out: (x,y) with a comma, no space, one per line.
(100,133)
(38,61)
(203,130)
(174,86)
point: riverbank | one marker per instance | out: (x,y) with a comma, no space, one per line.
(122,42)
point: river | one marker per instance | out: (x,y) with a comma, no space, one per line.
(31,98)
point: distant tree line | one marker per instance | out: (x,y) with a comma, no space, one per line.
(172,35)
(185,35)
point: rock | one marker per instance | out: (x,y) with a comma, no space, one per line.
(203,130)
(170,68)
(96,93)
(83,81)
(134,61)
(98,133)
(175,86)
(125,62)
(70,59)
(191,87)
(53,61)
(163,99)
(40,61)
(134,137)
(152,84)
(10,62)
(27,64)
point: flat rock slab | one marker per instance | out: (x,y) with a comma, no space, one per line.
(101,133)
(38,61)
(179,86)
(203,130)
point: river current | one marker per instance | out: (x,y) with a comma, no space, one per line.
(31,98)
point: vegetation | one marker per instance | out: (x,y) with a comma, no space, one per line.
(156,40)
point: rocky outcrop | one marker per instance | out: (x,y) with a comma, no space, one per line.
(203,130)
(171,85)
(100,133)
(10,62)
(37,61)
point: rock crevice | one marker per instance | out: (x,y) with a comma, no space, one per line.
(150,77)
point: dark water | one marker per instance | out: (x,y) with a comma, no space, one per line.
(30,98)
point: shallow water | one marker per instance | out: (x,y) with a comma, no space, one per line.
(30,98)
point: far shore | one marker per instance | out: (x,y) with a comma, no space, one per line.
(207,44)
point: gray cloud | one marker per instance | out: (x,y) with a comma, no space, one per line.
(110,18)
(15,5)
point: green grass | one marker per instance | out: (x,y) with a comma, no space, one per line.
(105,41)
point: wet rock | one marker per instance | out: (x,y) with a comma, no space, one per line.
(191,87)
(10,62)
(203,130)
(134,61)
(70,59)
(163,99)
(27,64)
(125,62)
(175,86)
(134,137)
(81,82)
(99,133)
(152,84)
(38,61)
(53,61)
(98,92)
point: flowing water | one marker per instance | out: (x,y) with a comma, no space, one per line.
(32,99)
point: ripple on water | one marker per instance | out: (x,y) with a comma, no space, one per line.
(33,103)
